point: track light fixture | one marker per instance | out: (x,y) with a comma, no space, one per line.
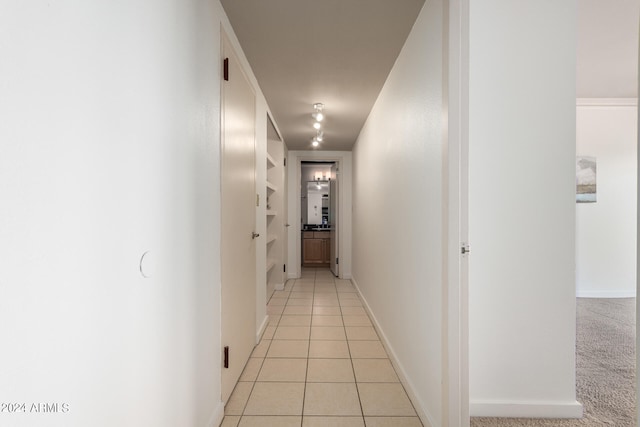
(318,116)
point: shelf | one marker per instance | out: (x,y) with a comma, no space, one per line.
(270,265)
(271,213)
(271,187)
(271,162)
(271,239)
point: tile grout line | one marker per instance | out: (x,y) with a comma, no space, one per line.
(306,373)
(308,340)
(353,369)
(244,407)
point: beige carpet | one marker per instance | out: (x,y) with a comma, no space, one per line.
(605,368)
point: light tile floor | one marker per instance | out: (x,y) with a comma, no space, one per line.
(320,363)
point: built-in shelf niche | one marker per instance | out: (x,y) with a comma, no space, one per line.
(271,162)
(275,210)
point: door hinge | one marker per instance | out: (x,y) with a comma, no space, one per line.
(337,260)
(226,356)
(257,200)
(284,268)
(285,161)
(225,69)
(464,249)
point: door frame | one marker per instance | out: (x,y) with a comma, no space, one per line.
(343,160)
(334,250)
(456,287)
(638,253)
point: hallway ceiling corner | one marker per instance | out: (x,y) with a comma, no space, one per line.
(332,51)
(607,49)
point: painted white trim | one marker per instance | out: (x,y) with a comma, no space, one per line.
(456,201)
(279,287)
(607,102)
(262,328)
(606,294)
(526,409)
(216,418)
(418,405)
(638,261)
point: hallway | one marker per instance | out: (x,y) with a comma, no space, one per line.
(319,363)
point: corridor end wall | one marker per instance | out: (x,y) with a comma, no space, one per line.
(606,230)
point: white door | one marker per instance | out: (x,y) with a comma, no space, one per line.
(333,216)
(238,250)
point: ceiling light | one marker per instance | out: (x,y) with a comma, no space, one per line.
(318,115)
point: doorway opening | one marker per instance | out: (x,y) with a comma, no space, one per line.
(336,165)
(606,209)
(319,220)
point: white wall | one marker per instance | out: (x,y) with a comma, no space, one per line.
(606,230)
(522,208)
(308,172)
(110,148)
(398,213)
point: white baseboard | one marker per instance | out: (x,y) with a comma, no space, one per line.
(292,276)
(216,418)
(263,326)
(506,409)
(606,294)
(279,287)
(418,405)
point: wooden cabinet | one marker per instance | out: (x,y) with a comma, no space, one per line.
(313,250)
(316,249)
(327,251)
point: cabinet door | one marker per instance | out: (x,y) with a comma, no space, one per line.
(326,247)
(313,251)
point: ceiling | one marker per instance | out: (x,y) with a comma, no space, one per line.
(340,52)
(336,52)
